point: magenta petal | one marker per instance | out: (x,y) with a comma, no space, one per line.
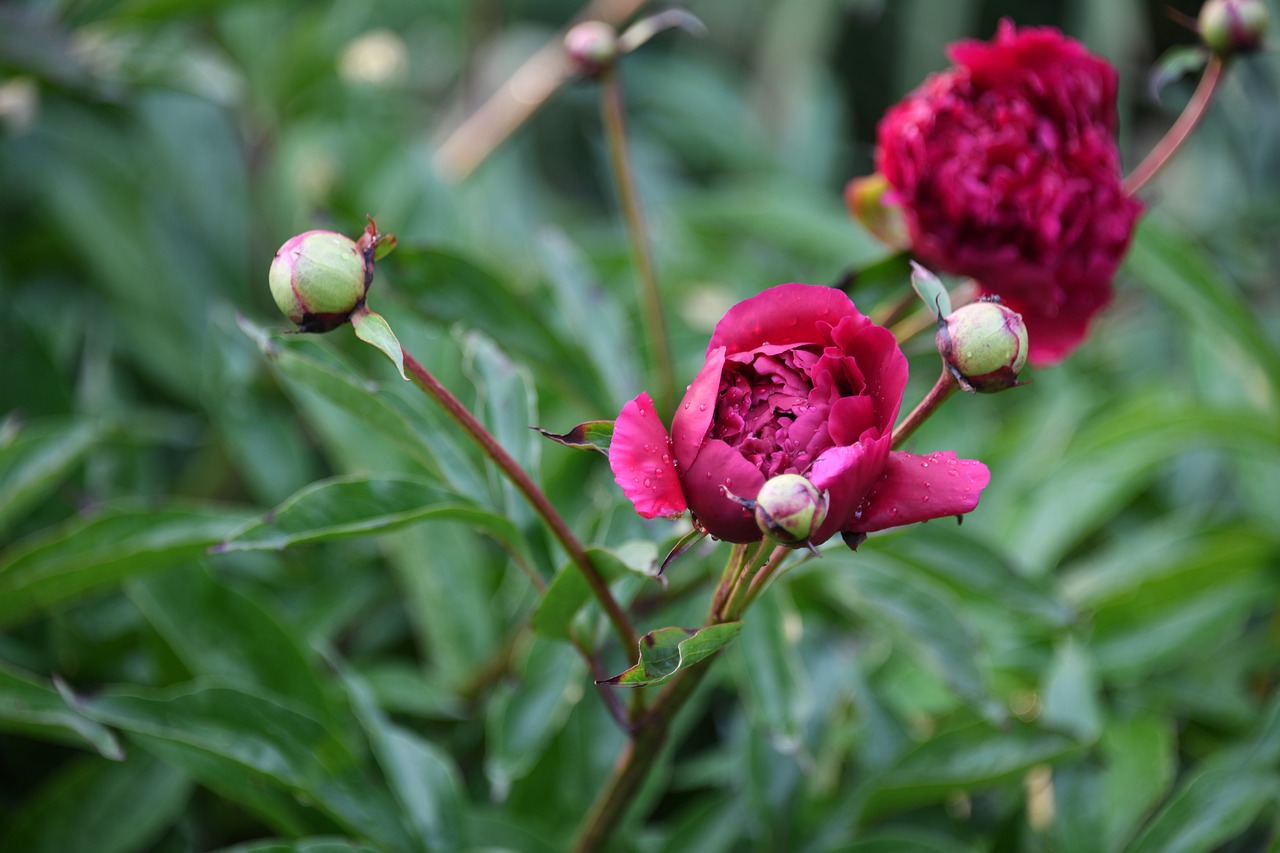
(640,456)
(849,417)
(716,465)
(693,416)
(847,474)
(918,488)
(789,314)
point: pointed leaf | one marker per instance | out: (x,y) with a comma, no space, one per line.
(591,435)
(1176,62)
(30,705)
(666,651)
(568,591)
(39,459)
(931,290)
(373,329)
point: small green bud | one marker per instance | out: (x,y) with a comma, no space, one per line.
(592,46)
(790,509)
(985,346)
(1233,26)
(318,278)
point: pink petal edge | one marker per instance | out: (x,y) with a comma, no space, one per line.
(787,314)
(918,488)
(640,456)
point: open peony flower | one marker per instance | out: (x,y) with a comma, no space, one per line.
(1007,170)
(796,381)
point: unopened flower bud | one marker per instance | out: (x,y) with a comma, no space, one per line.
(985,346)
(318,278)
(790,509)
(592,46)
(1233,26)
(868,201)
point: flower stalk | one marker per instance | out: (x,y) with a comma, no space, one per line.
(424,379)
(1181,129)
(613,113)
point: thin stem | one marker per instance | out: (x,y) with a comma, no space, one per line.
(733,567)
(1181,128)
(938,394)
(734,605)
(481,436)
(761,578)
(614,113)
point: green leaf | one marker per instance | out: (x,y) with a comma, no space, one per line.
(30,705)
(356,505)
(1070,694)
(1214,805)
(373,329)
(39,460)
(1176,62)
(931,290)
(80,557)
(967,759)
(303,845)
(101,806)
(422,777)
(569,592)
(218,632)
(1141,755)
(592,435)
(245,747)
(773,679)
(666,651)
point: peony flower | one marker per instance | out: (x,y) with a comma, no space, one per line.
(1007,170)
(796,381)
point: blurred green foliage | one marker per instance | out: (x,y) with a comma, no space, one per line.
(1090,663)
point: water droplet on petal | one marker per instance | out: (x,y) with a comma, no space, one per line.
(702,407)
(924,499)
(666,459)
(648,484)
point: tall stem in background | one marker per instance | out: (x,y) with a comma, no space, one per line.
(613,111)
(1181,128)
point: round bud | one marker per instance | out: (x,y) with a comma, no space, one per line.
(592,46)
(790,509)
(1233,26)
(318,278)
(985,345)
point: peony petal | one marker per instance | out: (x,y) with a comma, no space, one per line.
(883,366)
(716,465)
(850,416)
(640,456)
(918,488)
(693,417)
(788,314)
(847,473)
(1051,337)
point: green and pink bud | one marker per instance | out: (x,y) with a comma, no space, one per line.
(591,47)
(790,509)
(318,278)
(985,346)
(1228,27)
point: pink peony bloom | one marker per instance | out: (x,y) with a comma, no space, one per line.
(1007,170)
(796,381)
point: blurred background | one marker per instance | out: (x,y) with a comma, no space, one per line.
(1089,663)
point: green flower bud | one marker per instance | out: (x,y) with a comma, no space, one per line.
(790,509)
(1233,26)
(592,46)
(985,346)
(318,278)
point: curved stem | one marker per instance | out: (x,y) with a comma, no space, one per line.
(614,113)
(521,480)
(1181,128)
(938,394)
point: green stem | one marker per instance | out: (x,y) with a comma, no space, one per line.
(734,604)
(760,579)
(613,110)
(1181,128)
(650,732)
(938,394)
(521,480)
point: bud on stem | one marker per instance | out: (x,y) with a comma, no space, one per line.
(984,345)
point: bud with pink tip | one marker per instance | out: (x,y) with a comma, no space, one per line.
(318,278)
(985,346)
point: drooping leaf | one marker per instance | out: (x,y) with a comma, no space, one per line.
(1174,63)
(373,329)
(80,557)
(666,651)
(99,805)
(591,435)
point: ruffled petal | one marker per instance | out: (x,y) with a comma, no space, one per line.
(693,417)
(717,465)
(918,488)
(787,315)
(640,456)
(847,473)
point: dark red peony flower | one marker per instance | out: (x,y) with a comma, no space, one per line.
(1007,170)
(796,382)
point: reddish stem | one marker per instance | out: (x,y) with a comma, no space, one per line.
(1181,128)
(481,436)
